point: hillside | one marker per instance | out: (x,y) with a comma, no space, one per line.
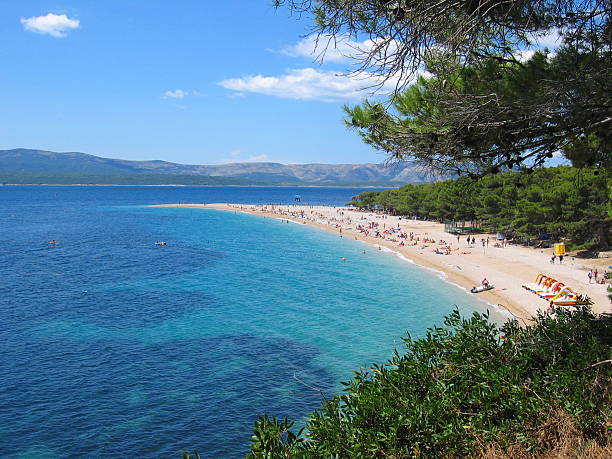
(25,161)
(76,178)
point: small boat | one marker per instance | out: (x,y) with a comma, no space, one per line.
(481,288)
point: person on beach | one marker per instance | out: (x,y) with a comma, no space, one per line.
(552,259)
(560,259)
(485,282)
(590,274)
(595,274)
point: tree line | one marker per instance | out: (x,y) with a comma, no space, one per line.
(562,201)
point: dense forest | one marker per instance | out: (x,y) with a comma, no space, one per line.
(565,202)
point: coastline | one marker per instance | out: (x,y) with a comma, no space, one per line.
(505,267)
(297,185)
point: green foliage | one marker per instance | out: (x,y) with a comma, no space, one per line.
(562,201)
(493,116)
(486,105)
(464,385)
(273,438)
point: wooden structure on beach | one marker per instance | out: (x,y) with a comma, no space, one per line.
(453,227)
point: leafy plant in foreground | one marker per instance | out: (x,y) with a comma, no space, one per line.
(464,388)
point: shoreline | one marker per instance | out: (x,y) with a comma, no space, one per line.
(385,187)
(507,268)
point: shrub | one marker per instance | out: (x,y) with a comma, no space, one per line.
(468,388)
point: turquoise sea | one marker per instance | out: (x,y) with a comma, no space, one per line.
(111,346)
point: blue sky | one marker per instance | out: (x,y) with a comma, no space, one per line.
(188,81)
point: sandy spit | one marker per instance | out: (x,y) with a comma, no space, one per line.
(507,268)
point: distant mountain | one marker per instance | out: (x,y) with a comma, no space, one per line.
(72,164)
(77,178)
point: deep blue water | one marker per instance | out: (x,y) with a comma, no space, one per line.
(111,346)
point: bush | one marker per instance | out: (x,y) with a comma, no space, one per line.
(468,388)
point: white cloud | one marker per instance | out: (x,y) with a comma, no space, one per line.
(55,25)
(340,49)
(310,84)
(178,94)
(263,157)
(325,48)
(551,39)
(524,55)
(323,85)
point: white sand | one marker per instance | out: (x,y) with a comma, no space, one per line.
(507,268)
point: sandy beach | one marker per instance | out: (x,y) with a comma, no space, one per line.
(505,266)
